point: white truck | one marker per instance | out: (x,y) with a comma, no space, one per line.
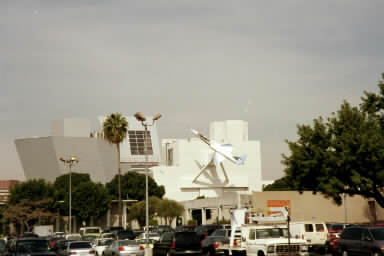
(43,230)
(262,236)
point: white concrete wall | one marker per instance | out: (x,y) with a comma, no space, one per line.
(188,154)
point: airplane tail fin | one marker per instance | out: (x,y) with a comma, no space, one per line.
(240,160)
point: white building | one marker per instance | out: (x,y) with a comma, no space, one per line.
(184,159)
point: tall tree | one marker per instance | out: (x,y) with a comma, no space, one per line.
(169,210)
(133,184)
(137,211)
(61,186)
(115,129)
(90,200)
(342,154)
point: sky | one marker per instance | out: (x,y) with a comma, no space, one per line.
(273,63)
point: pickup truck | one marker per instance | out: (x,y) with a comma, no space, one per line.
(263,240)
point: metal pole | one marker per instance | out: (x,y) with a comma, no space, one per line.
(345,208)
(146,188)
(70,198)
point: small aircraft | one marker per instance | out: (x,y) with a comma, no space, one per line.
(223,151)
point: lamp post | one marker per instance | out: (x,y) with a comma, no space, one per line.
(71,161)
(141,118)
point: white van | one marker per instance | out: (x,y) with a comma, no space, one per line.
(314,232)
(90,231)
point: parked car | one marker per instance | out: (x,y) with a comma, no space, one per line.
(334,231)
(314,232)
(123,234)
(61,247)
(154,236)
(2,246)
(124,248)
(205,230)
(143,242)
(84,231)
(73,236)
(100,244)
(172,243)
(211,244)
(82,248)
(29,246)
(361,240)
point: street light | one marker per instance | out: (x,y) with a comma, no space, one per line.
(71,161)
(141,118)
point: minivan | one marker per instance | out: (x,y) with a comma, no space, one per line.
(314,232)
(361,240)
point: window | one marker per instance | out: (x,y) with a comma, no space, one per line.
(252,234)
(319,227)
(351,234)
(378,233)
(170,157)
(308,227)
(137,140)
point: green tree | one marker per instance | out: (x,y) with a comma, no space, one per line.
(133,186)
(115,129)
(282,184)
(169,210)
(61,186)
(28,213)
(342,154)
(137,211)
(90,200)
(29,202)
(32,190)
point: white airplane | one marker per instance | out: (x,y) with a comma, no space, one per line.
(223,151)
(220,153)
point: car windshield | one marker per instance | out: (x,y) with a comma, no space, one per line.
(80,245)
(272,233)
(92,230)
(218,232)
(32,245)
(378,233)
(128,242)
(105,242)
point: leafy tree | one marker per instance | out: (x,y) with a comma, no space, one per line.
(169,210)
(28,212)
(343,154)
(137,211)
(90,200)
(133,186)
(115,129)
(32,190)
(61,186)
(282,184)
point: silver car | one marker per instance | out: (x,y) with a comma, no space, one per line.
(80,248)
(124,248)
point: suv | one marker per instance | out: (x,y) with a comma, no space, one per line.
(211,244)
(29,246)
(361,240)
(172,243)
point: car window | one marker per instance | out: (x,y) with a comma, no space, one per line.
(218,232)
(32,245)
(80,245)
(128,242)
(252,234)
(166,237)
(378,234)
(366,236)
(319,227)
(352,234)
(308,227)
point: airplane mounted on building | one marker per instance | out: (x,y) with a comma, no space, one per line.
(221,152)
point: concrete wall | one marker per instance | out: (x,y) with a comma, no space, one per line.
(190,155)
(307,206)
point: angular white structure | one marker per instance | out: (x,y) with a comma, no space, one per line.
(183,159)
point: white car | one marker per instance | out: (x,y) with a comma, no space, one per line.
(154,236)
(100,244)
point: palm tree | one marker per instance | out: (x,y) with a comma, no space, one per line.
(115,129)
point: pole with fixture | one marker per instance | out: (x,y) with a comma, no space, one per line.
(71,161)
(141,118)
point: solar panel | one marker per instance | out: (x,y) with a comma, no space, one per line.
(137,140)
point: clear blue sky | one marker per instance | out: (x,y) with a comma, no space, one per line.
(272,63)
